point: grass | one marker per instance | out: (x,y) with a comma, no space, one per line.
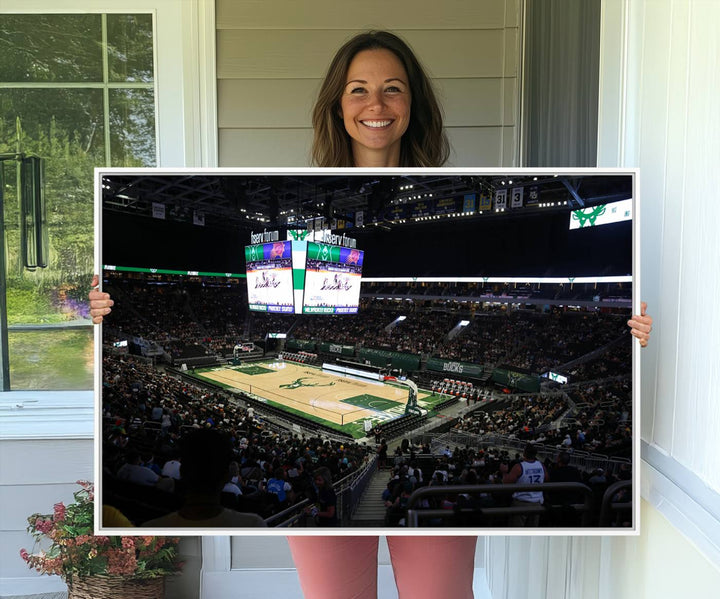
(51,360)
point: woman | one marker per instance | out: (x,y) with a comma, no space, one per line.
(377,108)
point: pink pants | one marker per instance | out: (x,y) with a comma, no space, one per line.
(346,567)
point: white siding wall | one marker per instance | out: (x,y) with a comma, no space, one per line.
(55,466)
(660,80)
(271,57)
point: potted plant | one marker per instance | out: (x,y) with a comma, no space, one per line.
(96,567)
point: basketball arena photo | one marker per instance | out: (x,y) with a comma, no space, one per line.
(436,350)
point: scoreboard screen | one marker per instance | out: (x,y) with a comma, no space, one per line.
(332,279)
(270,277)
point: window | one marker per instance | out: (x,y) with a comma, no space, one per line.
(77,90)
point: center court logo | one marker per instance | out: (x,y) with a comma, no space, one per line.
(297,383)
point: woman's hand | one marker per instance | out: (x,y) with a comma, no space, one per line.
(99,302)
(640,326)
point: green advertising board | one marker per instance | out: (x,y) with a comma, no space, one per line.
(450,367)
(517,380)
(306,345)
(380,357)
(336,348)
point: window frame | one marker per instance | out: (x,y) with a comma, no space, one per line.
(183,38)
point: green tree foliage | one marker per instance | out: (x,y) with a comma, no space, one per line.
(66,127)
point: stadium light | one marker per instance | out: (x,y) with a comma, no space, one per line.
(463,323)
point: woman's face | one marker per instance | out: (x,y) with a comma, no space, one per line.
(375,107)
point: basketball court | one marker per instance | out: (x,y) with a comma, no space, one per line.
(330,398)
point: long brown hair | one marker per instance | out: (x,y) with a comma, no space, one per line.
(423,144)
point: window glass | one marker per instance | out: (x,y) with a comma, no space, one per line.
(130,47)
(38,48)
(132,127)
(60,87)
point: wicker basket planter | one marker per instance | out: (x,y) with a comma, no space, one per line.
(116,587)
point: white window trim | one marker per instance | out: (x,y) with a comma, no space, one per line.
(46,415)
(690,505)
(681,496)
(186,107)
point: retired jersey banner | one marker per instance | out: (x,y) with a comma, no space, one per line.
(533,196)
(501,199)
(517,198)
(485,202)
(469,203)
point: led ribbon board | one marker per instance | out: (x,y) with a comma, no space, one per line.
(602,214)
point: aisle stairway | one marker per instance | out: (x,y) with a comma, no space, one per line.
(371,509)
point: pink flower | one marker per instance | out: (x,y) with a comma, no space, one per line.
(44,526)
(128,542)
(121,562)
(59,512)
(82,539)
(24,555)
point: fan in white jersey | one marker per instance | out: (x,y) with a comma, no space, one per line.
(530,471)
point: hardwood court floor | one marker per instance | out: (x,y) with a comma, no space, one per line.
(338,399)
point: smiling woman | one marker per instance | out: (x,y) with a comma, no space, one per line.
(377,108)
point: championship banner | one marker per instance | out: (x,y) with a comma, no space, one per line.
(158,210)
(446,206)
(517,198)
(424,208)
(485,202)
(469,203)
(501,199)
(450,367)
(398,212)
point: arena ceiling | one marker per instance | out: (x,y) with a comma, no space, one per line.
(251,201)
